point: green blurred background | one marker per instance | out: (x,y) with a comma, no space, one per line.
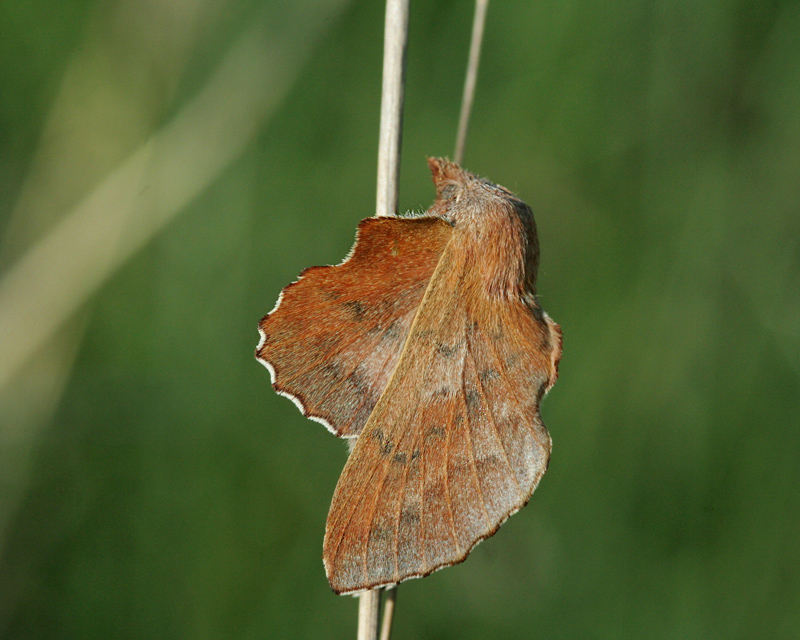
(166,167)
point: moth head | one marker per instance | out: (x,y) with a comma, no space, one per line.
(500,219)
(451,180)
(461,195)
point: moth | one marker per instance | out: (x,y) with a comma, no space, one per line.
(428,346)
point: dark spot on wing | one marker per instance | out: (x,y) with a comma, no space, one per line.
(392,332)
(446,350)
(331,294)
(379,533)
(436,432)
(356,309)
(490,461)
(473,399)
(332,370)
(409,515)
(325,342)
(488,374)
(369,405)
(356,380)
(385,445)
(400,457)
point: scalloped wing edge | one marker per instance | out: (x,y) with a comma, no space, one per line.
(425,574)
(273,374)
(262,336)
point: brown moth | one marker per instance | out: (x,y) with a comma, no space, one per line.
(428,345)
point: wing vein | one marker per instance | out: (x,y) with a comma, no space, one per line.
(449,433)
(468,432)
(379,490)
(493,420)
(512,390)
(364,396)
(342,346)
(374,510)
(423,560)
(399,514)
(354,508)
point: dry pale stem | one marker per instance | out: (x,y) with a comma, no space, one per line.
(390,137)
(388,613)
(369,609)
(471,79)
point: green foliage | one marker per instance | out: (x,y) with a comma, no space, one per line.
(155,487)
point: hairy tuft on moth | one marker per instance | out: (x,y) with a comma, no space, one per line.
(429,346)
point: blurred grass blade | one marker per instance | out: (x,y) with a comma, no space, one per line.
(122,213)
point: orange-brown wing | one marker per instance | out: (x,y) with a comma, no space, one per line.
(455,445)
(335,335)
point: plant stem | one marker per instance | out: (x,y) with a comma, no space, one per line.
(388,612)
(471,79)
(389,147)
(390,138)
(389,144)
(369,609)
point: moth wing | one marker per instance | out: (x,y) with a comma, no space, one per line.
(455,445)
(335,336)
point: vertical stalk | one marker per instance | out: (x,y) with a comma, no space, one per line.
(389,144)
(388,613)
(369,609)
(471,79)
(394,75)
(389,147)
